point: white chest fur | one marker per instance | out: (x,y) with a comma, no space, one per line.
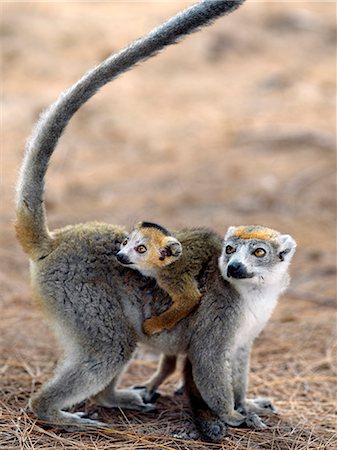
(258,305)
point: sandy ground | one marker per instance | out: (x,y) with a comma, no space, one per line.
(235,125)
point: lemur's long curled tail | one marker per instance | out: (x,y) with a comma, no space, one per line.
(31,224)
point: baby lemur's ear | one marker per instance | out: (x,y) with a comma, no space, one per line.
(171,247)
(287,247)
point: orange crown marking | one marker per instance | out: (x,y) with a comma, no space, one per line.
(261,233)
(155,237)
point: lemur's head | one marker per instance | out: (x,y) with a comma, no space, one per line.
(149,247)
(256,255)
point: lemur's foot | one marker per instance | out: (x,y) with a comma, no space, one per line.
(254,421)
(258,405)
(124,398)
(211,429)
(265,405)
(234,419)
(180,390)
(148,395)
(77,421)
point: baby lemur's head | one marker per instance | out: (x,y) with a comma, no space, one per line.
(148,248)
(256,255)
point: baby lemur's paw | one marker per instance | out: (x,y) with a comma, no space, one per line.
(152,326)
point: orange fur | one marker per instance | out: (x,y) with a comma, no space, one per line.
(263,233)
(155,240)
(180,285)
(174,260)
(183,303)
(33,236)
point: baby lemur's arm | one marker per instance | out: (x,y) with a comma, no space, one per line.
(179,278)
(156,252)
(185,297)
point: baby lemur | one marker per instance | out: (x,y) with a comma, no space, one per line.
(155,252)
(97,307)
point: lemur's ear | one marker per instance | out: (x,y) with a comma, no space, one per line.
(230,232)
(287,247)
(171,247)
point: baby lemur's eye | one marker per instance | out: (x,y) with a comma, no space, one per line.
(230,249)
(141,249)
(259,252)
(125,242)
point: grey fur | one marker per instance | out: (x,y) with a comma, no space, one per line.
(227,324)
(97,307)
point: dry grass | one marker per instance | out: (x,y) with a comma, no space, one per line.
(235,125)
(298,371)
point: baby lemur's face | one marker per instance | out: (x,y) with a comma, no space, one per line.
(255,255)
(148,248)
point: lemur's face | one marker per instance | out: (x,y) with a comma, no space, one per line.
(148,248)
(255,255)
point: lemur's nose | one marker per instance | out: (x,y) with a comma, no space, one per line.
(123,259)
(237,270)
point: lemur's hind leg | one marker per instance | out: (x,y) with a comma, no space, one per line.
(74,381)
(167,366)
(209,425)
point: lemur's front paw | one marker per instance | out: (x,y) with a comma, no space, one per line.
(258,405)
(255,422)
(264,405)
(152,326)
(234,419)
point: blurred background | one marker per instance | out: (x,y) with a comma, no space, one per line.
(235,125)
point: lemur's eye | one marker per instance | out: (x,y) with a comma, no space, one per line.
(141,249)
(125,242)
(230,249)
(259,252)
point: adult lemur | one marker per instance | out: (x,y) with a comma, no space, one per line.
(97,307)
